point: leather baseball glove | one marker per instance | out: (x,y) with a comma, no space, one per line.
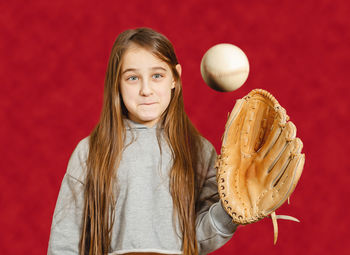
(260,162)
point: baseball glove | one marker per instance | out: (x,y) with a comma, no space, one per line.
(260,162)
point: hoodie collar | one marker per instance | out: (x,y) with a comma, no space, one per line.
(130,124)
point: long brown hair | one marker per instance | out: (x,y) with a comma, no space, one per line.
(107,142)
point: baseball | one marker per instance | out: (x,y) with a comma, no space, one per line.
(224,67)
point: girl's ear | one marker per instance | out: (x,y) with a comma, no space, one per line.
(178,69)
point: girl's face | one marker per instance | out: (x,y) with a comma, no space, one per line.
(146,84)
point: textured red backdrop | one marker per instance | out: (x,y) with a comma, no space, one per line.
(53,56)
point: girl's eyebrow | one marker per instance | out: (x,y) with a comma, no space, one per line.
(136,69)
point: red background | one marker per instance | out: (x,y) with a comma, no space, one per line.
(53,60)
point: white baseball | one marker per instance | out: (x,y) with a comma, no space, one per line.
(225,67)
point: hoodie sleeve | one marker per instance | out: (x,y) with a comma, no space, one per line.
(214,227)
(67,219)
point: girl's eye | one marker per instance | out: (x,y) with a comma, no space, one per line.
(132,78)
(157,76)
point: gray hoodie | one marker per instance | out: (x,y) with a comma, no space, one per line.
(144,208)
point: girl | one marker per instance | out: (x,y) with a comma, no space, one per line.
(144,181)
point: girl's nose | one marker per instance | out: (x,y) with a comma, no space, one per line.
(145,89)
